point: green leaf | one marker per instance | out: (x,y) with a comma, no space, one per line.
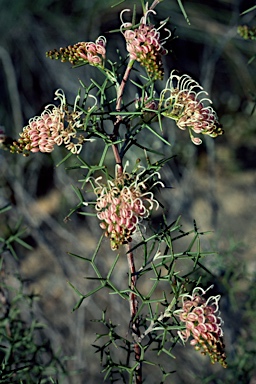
(249,10)
(157,135)
(78,193)
(104,153)
(64,159)
(5,208)
(87,214)
(183,11)
(167,352)
(24,244)
(118,3)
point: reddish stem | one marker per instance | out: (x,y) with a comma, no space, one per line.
(120,93)
(117,157)
(132,269)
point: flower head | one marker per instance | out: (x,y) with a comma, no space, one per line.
(203,323)
(55,126)
(182,102)
(144,45)
(82,53)
(123,202)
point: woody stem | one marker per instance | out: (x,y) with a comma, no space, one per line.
(120,92)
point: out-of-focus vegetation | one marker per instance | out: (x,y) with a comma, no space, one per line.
(26,353)
(214,184)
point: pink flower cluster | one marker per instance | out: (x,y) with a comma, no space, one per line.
(94,53)
(183,104)
(40,133)
(82,52)
(203,323)
(144,45)
(55,126)
(121,205)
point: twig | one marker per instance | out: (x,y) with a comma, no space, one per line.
(120,92)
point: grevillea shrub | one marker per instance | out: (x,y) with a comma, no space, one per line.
(166,303)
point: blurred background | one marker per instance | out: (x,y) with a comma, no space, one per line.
(215,183)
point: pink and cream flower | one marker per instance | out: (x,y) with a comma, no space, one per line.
(144,44)
(182,101)
(203,323)
(56,125)
(94,53)
(82,53)
(123,203)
